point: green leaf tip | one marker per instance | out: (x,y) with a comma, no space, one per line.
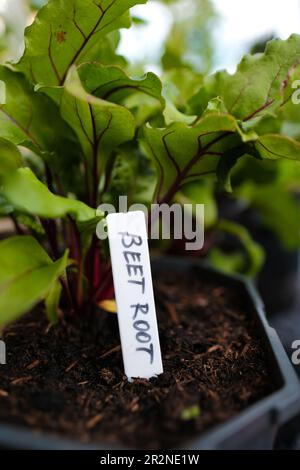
(257,87)
(69,32)
(27,275)
(26,193)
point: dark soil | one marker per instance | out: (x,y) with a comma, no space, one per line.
(68,378)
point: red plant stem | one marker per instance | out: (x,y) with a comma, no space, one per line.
(109,169)
(96,264)
(50,230)
(167,198)
(89,265)
(49,179)
(93,263)
(95,160)
(105,281)
(180,177)
(95,182)
(80,283)
(65,284)
(59,186)
(76,252)
(87,182)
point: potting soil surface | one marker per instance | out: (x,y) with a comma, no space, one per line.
(68,379)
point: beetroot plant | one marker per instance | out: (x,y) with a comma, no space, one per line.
(76,130)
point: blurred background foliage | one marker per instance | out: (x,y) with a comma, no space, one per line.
(182,41)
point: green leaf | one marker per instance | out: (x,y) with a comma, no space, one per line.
(30,221)
(10,157)
(200,192)
(257,88)
(289,114)
(26,193)
(228,161)
(122,177)
(266,147)
(27,275)
(5,208)
(289,174)
(100,125)
(32,120)
(106,50)
(184,153)
(181,84)
(278,209)
(229,263)
(69,32)
(52,302)
(273,146)
(261,171)
(172,114)
(28,118)
(234,262)
(112,83)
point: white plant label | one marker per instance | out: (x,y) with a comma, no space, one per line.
(131,269)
